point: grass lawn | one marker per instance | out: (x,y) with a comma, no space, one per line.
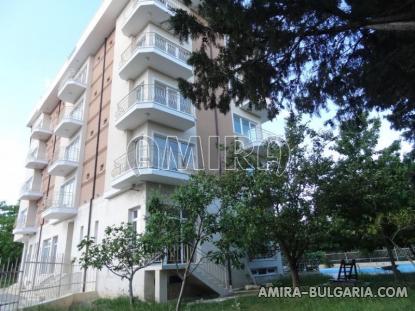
(253,303)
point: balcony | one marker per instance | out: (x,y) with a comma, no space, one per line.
(157,103)
(41,130)
(64,162)
(153,50)
(143,12)
(262,114)
(22,227)
(73,85)
(150,165)
(71,121)
(60,207)
(256,139)
(31,190)
(36,159)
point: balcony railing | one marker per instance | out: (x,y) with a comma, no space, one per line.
(35,155)
(170,5)
(157,41)
(147,159)
(257,134)
(72,113)
(155,93)
(60,200)
(28,186)
(76,76)
(70,154)
(21,221)
(41,124)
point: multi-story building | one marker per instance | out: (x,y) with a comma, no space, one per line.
(120,84)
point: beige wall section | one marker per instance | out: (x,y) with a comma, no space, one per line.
(211,123)
(92,126)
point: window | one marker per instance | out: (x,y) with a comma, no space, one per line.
(72,150)
(45,256)
(66,194)
(53,254)
(78,109)
(96,230)
(81,234)
(265,271)
(170,154)
(244,127)
(133,218)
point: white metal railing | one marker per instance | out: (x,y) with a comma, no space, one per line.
(28,186)
(60,199)
(154,157)
(75,76)
(170,5)
(72,113)
(156,93)
(21,220)
(41,124)
(157,41)
(35,155)
(214,270)
(38,278)
(69,153)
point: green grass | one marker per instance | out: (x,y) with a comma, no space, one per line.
(252,303)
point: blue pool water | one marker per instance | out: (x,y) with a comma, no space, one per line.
(404,268)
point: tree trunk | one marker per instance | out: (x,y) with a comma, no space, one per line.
(130,290)
(186,272)
(295,277)
(395,270)
(179,300)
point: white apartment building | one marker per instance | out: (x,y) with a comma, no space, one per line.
(118,85)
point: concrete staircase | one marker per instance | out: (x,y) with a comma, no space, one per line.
(211,274)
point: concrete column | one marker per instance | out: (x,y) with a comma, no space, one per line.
(160,290)
(148,288)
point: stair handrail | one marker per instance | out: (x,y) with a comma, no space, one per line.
(217,271)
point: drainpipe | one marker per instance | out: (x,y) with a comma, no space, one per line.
(96,160)
(228,262)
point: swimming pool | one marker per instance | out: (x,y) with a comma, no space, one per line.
(404,268)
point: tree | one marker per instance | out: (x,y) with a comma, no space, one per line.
(370,191)
(188,219)
(122,251)
(277,205)
(9,250)
(358,54)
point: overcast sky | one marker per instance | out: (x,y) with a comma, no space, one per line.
(38,36)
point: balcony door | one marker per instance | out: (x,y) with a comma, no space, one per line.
(66,194)
(72,150)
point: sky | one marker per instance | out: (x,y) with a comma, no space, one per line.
(38,36)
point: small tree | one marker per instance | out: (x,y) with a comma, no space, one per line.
(276,205)
(122,251)
(9,248)
(186,220)
(369,192)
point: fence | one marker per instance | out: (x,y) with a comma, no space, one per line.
(31,282)
(375,256)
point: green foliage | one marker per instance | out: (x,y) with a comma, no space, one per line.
(276,205)
(122,251)
(186,217)
(307,53)
(8,248)
(369,194)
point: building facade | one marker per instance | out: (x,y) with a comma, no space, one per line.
(118,86)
